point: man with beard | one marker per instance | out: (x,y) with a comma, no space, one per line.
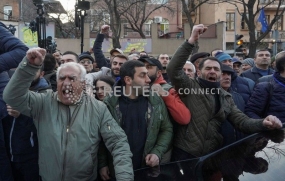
(210,105)
(70,124)
(261,67)
(164,60)
(21,137)
(114,72)
(177,109)
(144,119)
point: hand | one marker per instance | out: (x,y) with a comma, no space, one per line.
(105,29)
(104,173)
(12,112)
(152,160)
(157,88)
(272,122)
(36,56)
(196,32)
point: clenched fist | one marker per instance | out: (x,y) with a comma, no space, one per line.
(196,32)
(105,29)
(36,56)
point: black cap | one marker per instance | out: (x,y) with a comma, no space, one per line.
(86,55)
(236,60)
(226,68)
(151,61)
(195,56)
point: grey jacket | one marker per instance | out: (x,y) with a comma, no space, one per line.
(68,137)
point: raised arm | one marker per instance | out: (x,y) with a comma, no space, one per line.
(175,66)
(17,93)
(12,50)
(97,48)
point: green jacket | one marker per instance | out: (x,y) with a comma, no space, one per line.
(69,136)
(201,135)
(159,127)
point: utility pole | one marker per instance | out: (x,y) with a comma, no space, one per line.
(276,36)
(235,46)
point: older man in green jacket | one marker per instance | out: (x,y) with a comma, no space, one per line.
(70,124)
(209,105)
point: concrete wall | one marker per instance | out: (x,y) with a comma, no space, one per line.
(215,38)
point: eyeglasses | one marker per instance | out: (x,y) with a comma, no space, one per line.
(85,61)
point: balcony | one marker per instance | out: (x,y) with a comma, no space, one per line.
(272,5)
(269,36)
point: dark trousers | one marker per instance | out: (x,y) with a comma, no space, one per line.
(178,154)
(5,167)
(26,171)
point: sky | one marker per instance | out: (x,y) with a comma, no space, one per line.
(67,4)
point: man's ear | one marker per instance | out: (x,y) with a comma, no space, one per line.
(158,73)
(128,80)
(199,73)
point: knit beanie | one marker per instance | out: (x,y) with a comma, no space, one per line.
(221,56)
(248,61)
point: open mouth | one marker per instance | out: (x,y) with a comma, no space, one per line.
(212,79)
(67,92)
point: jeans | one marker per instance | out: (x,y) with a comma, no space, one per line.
(26,171)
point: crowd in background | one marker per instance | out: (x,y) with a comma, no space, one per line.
(66,116)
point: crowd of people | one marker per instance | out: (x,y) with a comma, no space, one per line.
(88,117)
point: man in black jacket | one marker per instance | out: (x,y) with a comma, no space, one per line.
(97,49)
(21,139)
(12,50)
(261,68)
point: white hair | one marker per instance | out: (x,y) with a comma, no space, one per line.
(132,56)
(72,64)
(190,63)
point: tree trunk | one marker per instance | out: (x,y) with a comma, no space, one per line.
(252,41)
(141,34)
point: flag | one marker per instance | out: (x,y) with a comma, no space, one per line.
(262,20)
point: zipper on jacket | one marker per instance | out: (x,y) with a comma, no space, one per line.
(31,139)
(11,132)
(66,141)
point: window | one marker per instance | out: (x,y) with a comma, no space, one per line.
(279,24)
(7,12)
(147,28)
(230,21)
(164,27)
(158,1)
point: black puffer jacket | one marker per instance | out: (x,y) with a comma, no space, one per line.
(260,98)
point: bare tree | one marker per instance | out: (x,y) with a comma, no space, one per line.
(108,12)
(190,9)
(65,25)
(138,12)
(250,15)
